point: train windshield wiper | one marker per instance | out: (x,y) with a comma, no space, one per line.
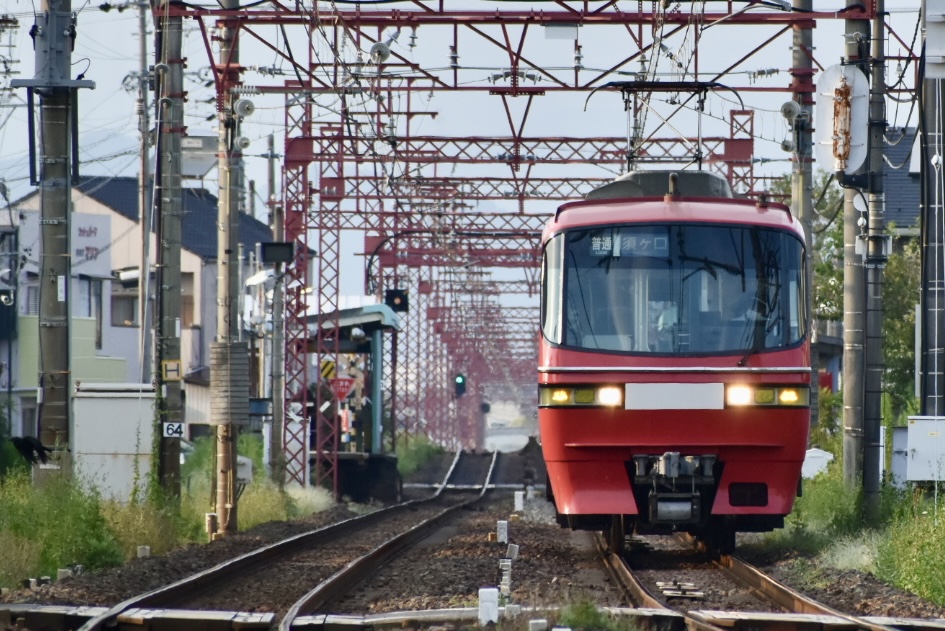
(756,344)
(751,351)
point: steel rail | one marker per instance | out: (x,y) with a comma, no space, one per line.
(361,568)
(785,596)
(744,573)
(250,561)
(637,592)
(777,592)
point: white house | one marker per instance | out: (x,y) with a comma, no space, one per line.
(106,239)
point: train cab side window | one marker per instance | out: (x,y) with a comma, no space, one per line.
(551,284)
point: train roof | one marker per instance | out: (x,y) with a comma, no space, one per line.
(659,182)
(670,196)
(668,209)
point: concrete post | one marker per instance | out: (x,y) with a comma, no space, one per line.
(53,40)
(170,75)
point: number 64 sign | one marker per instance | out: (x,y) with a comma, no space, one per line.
(173,430)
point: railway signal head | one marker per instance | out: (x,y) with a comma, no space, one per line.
(460,383)
(396,299)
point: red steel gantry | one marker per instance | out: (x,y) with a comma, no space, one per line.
(442,214)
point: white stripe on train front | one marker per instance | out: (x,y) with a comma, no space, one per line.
(675,396)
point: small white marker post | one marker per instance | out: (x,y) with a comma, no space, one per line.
(488,605)
(502,531)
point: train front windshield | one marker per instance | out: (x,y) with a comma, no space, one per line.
(674,289)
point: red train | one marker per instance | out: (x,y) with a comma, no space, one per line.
(674,362)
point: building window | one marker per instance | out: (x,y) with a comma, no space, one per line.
(32,300)
(187,319)
(28,418)
(90,304)
(124,307)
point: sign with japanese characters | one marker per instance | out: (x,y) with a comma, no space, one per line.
(629,243)
(341,386)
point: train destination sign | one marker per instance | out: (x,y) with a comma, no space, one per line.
(635,243)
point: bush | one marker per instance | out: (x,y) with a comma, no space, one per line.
(826,434)
(11,462)
(63,520)
(415,452)
(585,615)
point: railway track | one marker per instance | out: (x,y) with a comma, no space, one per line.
(736,595)
(340,585)
(334,558)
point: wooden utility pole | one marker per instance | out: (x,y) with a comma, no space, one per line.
(229,358)
(169,72)
(53,34)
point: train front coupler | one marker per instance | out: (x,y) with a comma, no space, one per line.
(676,484)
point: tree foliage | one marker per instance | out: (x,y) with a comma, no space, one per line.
(900,295)
(827,237)
(900,289)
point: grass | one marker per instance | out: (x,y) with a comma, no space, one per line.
(65,523)
(912,556)
(903,548)
(63,520)
(585,615)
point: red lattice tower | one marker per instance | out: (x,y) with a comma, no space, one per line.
(298,158)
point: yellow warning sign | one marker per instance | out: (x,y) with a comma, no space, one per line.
(327,369)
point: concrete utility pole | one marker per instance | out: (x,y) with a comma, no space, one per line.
(145,306)
(875,264)
(53,34)
(229,358)
(863,283)
(277,222)
(802,202)
(169,372)
(854,300)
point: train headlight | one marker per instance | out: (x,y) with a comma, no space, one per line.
(742,395)
(610,395)
(581,396)
(738,395)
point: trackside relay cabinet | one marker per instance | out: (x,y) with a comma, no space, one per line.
(112,436)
